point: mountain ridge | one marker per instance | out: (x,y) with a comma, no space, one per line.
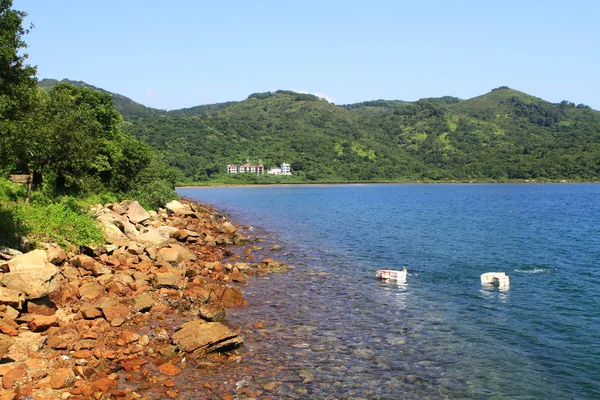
(502,135)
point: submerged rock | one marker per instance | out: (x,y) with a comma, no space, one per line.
(198,338)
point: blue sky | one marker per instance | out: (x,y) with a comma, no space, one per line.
(184,53)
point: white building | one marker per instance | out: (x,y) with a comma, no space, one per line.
(284,169)
(256,169)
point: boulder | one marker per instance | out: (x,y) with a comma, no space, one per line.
(91,291)
(213,312)
(142,302)
(153,237)
(5,343)
(32,260)
(198,338)
(34,283)
(176,207)
(89,264)
(113,234)
(136,213)
(56,255)
(6,253)
(168,280)
(12,297)
(41,323)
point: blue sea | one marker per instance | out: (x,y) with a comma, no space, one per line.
(332,331)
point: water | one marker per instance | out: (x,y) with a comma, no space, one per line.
(333,331)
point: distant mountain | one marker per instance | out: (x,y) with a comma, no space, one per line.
(129,109)
(499,136)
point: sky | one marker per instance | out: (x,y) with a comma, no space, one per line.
(184,53)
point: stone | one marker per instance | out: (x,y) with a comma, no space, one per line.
(5,343)
(175,207)
(12,297)
(88,311)
(116,313)
(227,227)
(171,255)
(198,338)
(8,329)
(168,280)
(15,376)
(113,234)
(6,253)
(213,312)
(232,297)
(61,378)
(91,291)
(169,369)
(136,213)
(104,384)
(153,237)
(41,323)
(56,255)
(33,283)
(42,306)
(142,302)
(129,229)
(89,264)
(33,260)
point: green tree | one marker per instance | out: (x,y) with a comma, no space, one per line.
(18,89)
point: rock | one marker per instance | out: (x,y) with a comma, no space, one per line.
(61,378)
(136,213)
(41,306)
(213,312)
(89,264)
(169,369)
(168,280)
(176,207)
(153,237)
(168,230)
(142,302)
(199,338)
(171,255)
(15,376)
(227,227)
(6,253)
(34,283)
(113,234)
(104,384)
(33,260)
(12,297)
(88,311)
(231,297)
(56,255)
(5,343)
(116,314)
(41,323)
(91,291)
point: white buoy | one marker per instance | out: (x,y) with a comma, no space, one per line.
(392,275)
(498,279)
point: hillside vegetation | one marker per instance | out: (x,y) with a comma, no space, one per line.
(499,136)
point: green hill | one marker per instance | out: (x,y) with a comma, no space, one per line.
(502,135)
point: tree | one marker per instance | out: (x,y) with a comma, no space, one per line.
(18,88)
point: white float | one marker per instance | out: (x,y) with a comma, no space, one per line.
(392,275)
(498,279)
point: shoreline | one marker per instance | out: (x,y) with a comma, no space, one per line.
(208,186)
(129,320)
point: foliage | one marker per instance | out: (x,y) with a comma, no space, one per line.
(500,136)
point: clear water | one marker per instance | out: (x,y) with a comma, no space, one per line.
(442,335)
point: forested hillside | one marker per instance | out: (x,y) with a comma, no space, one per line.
(499,136)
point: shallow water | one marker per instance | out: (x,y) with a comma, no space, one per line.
(333,331)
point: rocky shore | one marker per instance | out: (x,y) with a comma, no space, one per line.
(122,320)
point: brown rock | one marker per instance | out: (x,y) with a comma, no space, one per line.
(7,395)
(232,297)
(104,384)
(91,291)
(41,323)
(12,297)
(88,311)
(33,260)
(136,213)
(169,369)
(168,280)
(117,313)
(5,343)
(61,378)
(83,354)
(15,376)
(34,283)
(198,337)
(129,337)
(56,255)
(42,306)
(213,312)
(8,330)
(57,343)
(142,302)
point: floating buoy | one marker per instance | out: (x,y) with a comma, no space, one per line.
(392,275)
(498,279)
